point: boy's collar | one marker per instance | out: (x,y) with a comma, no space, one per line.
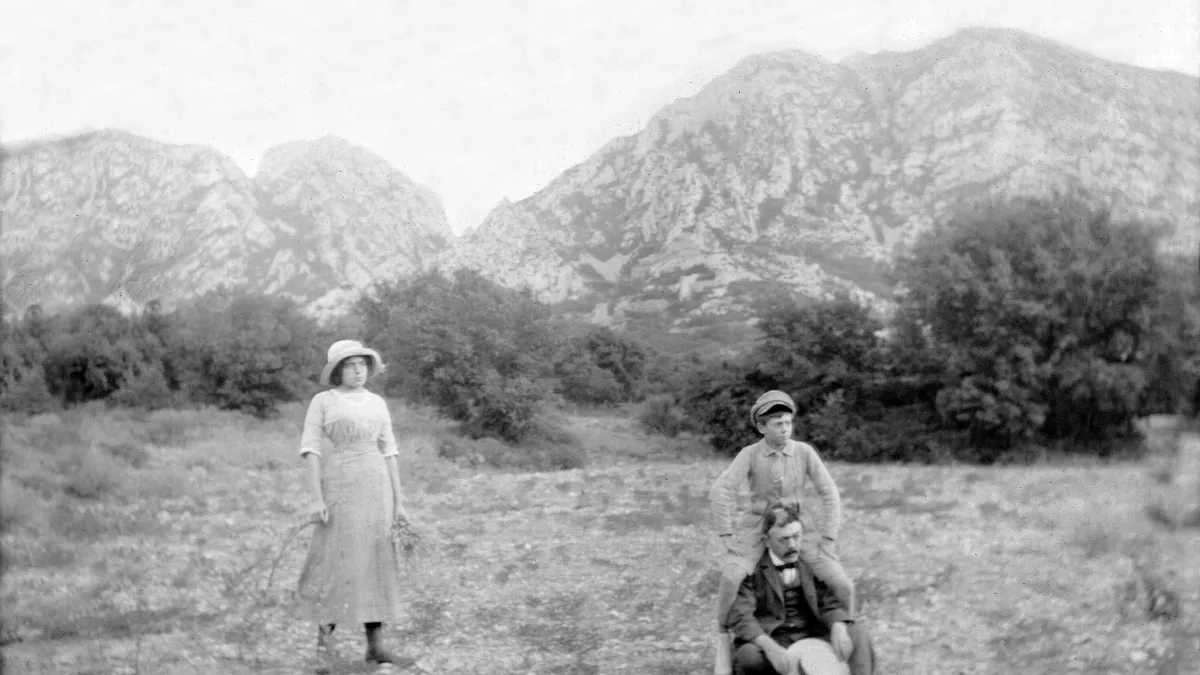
(787,449)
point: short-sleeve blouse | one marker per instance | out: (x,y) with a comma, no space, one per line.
(347,419)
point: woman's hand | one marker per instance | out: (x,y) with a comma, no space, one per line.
(319,511)
(401,513)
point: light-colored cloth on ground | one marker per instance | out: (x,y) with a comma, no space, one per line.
(352,574)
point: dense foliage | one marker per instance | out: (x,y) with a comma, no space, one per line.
(1019,326)
(230,351)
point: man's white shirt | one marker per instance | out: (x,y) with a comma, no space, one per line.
(788,575)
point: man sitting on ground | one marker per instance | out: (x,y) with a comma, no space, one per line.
(785,621)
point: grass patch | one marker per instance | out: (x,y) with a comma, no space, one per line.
(548,447)
(191,557)
(90,474)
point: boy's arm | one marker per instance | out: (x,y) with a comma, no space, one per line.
(831,522)
(724,493)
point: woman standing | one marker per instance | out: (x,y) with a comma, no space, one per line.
(351,575)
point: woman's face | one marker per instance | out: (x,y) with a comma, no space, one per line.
(354,371)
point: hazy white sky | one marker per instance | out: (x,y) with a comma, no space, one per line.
(480,99)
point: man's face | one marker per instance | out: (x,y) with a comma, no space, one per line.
(777,429)
(784,541)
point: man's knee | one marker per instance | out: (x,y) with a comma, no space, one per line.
(749,659)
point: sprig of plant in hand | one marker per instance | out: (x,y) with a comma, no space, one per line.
(407,539)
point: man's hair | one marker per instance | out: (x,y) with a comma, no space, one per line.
(335,377)
(779,515)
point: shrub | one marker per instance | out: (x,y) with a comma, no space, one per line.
(245,352)
(89,474)
(95,349)
(28,395)
(132,454)
(479,353)
(52,434)
(166,428)
(601,367)
(1044,310)
(717,402)
(147,390)
(662,415)
(581,381)
(546,448)
(19,506)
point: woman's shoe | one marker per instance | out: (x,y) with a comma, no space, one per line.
(377,654)
(326,656)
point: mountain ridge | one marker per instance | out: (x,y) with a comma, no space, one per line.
(788,171)
(845,165)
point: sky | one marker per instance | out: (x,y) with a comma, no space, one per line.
(479,100)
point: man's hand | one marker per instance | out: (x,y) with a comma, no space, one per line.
(319,511)
(839,637)
(783,662)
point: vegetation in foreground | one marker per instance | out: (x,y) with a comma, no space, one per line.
(169,542)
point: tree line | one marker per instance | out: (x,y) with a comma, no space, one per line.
(1018,325)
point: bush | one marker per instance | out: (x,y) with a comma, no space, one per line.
(717,402)
(147,390)
(19,506)
(479,353)
(581,381)
(1045,313)
(28,395)
(546,447)
(93,352)
(166,428)
(245,352)
(88,474)
(132,454)
(601,367)
(661,415)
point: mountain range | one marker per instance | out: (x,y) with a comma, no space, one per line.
(787,172)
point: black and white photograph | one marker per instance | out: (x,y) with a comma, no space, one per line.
(600,337)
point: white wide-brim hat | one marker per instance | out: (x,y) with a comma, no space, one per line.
(344,349)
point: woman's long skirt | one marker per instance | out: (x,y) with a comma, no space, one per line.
(352,573)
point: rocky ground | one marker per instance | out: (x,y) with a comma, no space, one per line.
(188,566)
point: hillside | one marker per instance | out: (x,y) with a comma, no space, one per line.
(117,218)
(790,170)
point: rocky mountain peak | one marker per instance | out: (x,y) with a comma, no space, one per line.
(113,217)
(793,170)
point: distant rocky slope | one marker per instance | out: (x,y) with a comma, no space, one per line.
(792,170)
(788,172)
(113,217)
